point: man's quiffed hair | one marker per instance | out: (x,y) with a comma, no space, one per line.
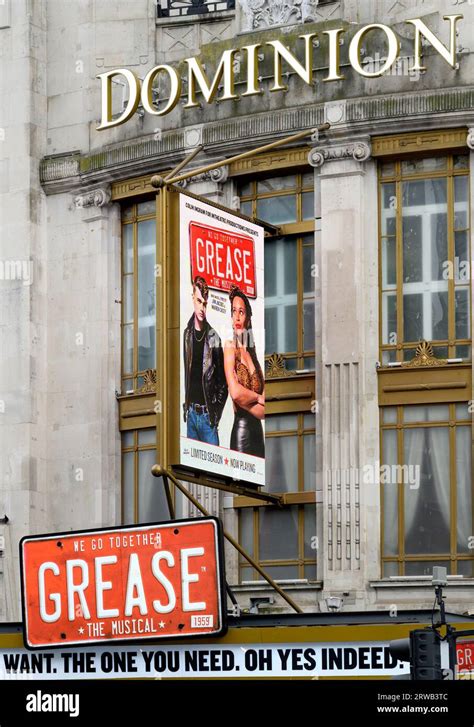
(201,284)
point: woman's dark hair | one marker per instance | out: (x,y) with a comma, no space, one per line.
(236,292)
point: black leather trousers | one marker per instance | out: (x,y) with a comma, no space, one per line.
(247,434)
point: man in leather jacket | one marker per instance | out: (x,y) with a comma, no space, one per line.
(204,377)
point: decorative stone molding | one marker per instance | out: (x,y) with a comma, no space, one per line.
(261,14)
(360,151)
(403,111)
(94,198)
(470,138)
(218,176)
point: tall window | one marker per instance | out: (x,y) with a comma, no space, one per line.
(138,293)
(143,495)
(180,8)
(283,540)
(287,201)
(427,490)
(425,254)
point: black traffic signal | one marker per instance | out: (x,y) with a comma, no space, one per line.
(423,651)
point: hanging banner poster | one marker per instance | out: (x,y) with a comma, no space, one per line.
(222,397)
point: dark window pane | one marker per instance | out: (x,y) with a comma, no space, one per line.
(282,572)
(390,569)
(430,192)
(271,333)
(246,529)
(389,261)
(278,210)
(310,542)
(309,450)
(389,318)
(246,208)
(128,488)
(461,254)
(439,316)
(281,465)
(278,537)
(461,187)
(152,504)
(127,249)
(425,568)
(412,250)
(308,262)
(439,245)
(307,205)
(461,299)
(466,568)
(291,334)
(308,325)
(413,317)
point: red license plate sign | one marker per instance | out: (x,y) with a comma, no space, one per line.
(123,584)
(222,258)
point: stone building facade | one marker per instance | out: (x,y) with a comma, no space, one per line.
(369,345)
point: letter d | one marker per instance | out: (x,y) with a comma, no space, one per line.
(132,103)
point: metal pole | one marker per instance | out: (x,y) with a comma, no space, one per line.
(246,154)
(158,472)
(184,162)
(169,498)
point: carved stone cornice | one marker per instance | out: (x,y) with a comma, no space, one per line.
(401,113)
(470,138)
(98,197)
(218,176)
(261,14)
(359,150)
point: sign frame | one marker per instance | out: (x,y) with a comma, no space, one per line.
(169,344)
(220,585)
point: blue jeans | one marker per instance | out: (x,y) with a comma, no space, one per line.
(199,427)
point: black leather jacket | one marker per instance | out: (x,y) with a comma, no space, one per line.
(214,383)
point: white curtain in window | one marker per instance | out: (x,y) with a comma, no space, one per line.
(414,447)
(464,487)
(438,447)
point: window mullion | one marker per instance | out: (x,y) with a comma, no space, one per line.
(399,253)
(451,299)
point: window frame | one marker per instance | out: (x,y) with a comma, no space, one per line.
(398,179)
(298,231)
(452,424)
(137,377)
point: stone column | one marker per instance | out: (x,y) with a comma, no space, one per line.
(83,457)
(23,119)
(470,143)
(347,351)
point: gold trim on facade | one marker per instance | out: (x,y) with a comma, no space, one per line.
(419,142)
(149,382)
(270,162)
(275,367)
(424,357)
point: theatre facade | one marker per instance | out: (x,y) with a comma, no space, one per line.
(368,285)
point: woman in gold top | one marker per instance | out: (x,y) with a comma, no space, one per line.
(244,379)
